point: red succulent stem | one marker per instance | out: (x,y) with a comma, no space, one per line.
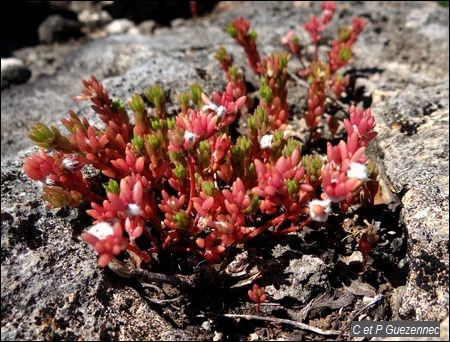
(193,8)
(293,228)
(316,51)
(136,250)
(277,227)
(155,247)
(191,169)
(167,240)
(277,220)
(89,196)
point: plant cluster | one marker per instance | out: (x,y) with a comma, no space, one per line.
(186,182)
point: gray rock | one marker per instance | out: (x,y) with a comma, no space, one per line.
(56,28)
(416,162)
(411,108)
(411,105)
(13,71)
(305,277)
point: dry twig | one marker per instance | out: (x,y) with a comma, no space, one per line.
(376,300)
(299,325)
(145,276)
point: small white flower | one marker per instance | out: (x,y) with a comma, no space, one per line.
(49,181)
(319,210)
(133,210)
(70,163)
(220,111)
(101,230)
(266,141)
(210,106)
(189,137)
(358,171)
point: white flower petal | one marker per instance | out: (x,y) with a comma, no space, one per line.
(326,206)
(358,171)
(221,111)
(266,141)
(189,137)
(210,106)
(69,163)
(133,210)
(101,230)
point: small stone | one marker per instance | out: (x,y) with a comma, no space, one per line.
(58,29)
(366,300)
(206,325)
(356,256)
(94,19)
(14,71)
(279,250)
(119,26)
(253,337)
(147,27)
(218,336)
(177,22)
(133,30)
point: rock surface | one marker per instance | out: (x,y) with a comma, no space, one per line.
(51,286)
(411,104)
(416,161)
(306,275)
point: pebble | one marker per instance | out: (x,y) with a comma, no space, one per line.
(119,26)
(218,336)
(93,18)
(14,71)
(56,28)
(206,325)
